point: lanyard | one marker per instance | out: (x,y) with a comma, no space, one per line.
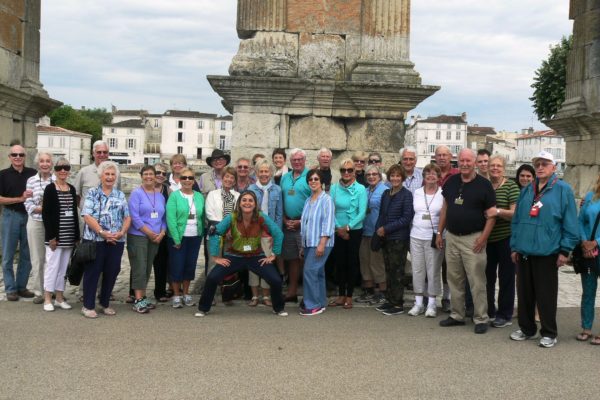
(537,196)
(153,202)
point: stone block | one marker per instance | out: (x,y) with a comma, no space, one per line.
(267,54)
(375,135)
(352,53)
(321,57)
(316,132)
(324,16)
(11,32)
(14,7)
(255,130)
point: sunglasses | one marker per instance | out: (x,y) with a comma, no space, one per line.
(62,168)
(374,161)
(315,179)
(243,167)
(542,164)
(15,155)
(186,178)
(359,161)
(346,170)
(101,152)
(371,174)
(159,173)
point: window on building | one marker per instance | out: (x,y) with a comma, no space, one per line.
(438,135)
(431,148)
(130,131)
(455,149)
(180,124)
(131,143)
(156,123)
(458,135)
(448,135)
(223,125)
(180,137)
(112,130)
(179,149)
(222,142)
(200,124)
(112,143)
(50,141)
(449,126)
(439,126)
(199,153)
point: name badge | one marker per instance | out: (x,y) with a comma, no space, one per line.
(427,217)
(68,213)
(247,247)
(459,201)
(291,192)
(154,215)
(192,216)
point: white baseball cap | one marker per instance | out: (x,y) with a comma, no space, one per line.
(544,155)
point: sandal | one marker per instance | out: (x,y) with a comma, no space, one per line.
(584,336)
(348,303)
(267,301)
(89,313)
(109,311)
(595,341)
(253,302)
(337,302)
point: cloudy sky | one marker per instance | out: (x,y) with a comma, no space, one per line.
(156,54)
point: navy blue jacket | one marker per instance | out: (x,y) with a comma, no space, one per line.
(396,214)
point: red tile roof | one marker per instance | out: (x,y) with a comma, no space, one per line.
(549,132)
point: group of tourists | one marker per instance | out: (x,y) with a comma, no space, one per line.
(264,225)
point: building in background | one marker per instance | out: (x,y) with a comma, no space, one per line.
(189,133)
(61,142)
(531,143)
(477,137)
(222,132)
(126,140)
(425,134)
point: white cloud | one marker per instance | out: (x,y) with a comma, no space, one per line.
(157,53)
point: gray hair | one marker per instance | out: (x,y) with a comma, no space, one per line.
(410,149)
(262,163)
(99,143)
(62,161)
(243,159)
(295,151)
(36,160)
(324,150)
(498,157)
(468,150)
(375,168)
(442,147)
(105,165)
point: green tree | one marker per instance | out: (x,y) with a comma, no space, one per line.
(550,80)
(86,121)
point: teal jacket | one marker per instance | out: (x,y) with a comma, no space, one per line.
(555,230)
(350,205)
(178,210)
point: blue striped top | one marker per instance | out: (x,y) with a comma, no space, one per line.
(318,220)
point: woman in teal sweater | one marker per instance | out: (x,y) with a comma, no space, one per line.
(185,218)
(350,199)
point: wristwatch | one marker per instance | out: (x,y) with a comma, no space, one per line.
(100,231)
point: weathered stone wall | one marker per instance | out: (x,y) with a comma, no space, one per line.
(22,97)
(321,73)
(578,119)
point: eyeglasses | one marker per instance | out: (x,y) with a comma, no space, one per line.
(186,178)
(542,164)
(372,174)
(346,170)
(15,155)
(62,168)
(315,179)
(101,151)
(243,167)
(359,161)
(373,161)
(159,173)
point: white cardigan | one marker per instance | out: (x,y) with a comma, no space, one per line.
(214,204)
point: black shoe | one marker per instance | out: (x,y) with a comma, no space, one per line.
(481,328)
(384,306)
(396,310)
(451,322)
(446,306)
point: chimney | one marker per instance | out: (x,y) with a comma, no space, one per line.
(464,116)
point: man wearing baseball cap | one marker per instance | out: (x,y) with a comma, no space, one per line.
(544,232)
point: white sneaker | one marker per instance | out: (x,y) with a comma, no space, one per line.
(64,305)
(200,314)
(177,302)
(547,342)
(416,310)
(48,307)
(281,313)
(188,300)
(431,312)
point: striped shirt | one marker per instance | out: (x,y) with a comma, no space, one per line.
(37,185)
(66,224)
(318,220)
(506,195)
(414,181)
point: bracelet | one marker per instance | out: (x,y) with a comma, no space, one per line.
(438,233)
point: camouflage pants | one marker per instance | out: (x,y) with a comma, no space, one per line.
(394,257)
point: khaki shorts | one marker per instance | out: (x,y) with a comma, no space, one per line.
(372,267)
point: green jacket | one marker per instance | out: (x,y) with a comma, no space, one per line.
(178,210)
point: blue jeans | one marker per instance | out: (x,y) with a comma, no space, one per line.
(268,272)
(183,260)
(14,232)
(315,293)
(589,283)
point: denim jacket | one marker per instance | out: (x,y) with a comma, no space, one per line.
(275,202)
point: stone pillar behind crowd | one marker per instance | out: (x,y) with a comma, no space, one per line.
(321,73)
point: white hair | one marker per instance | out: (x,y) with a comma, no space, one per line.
(262,163)
(410,149)
(99,143)
(324,150)
(295,151)
(104,165)
(471,151)
(36,160)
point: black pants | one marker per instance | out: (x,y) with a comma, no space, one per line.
(537,282)
(161,270)
(347,261)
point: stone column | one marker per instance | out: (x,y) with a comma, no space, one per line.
(385,37)
(260,15)
(31,50)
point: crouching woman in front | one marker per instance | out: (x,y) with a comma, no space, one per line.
(245,226)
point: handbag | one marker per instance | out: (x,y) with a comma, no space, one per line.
(433,243)
(82,254)
(231,287)
(582,264)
